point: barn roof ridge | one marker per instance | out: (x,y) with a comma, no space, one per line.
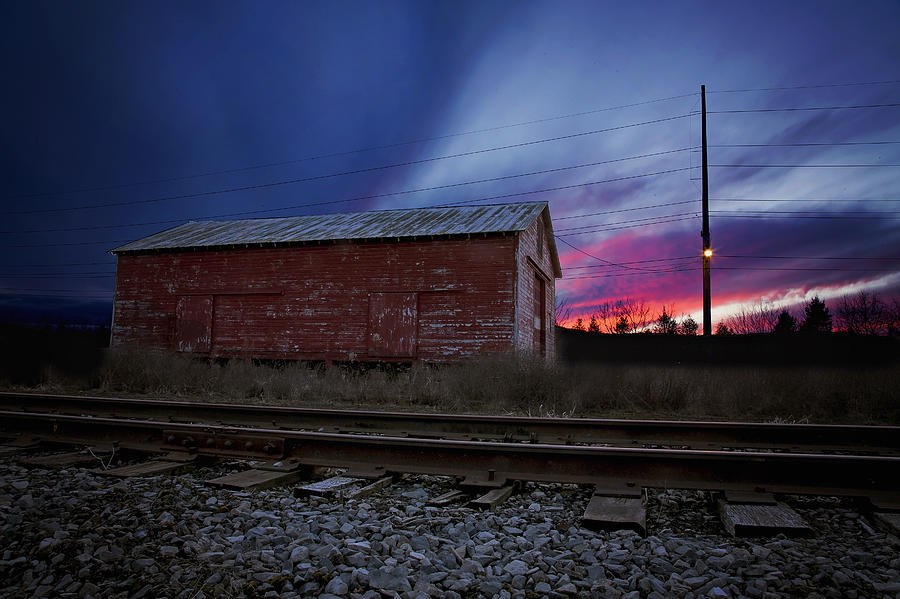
(432,221)
(336,214)
(370,224)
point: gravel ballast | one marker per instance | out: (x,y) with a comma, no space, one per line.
(74,533)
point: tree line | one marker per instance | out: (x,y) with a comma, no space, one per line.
(863,313)
(631,315)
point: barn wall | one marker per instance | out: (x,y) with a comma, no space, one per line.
(455,297)
(533,263)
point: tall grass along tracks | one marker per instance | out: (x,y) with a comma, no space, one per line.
(618,456)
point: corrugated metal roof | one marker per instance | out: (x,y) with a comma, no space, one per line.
(454,220)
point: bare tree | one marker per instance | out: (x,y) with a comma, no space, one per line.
(606,317)
(755,318)
(636,313)
(562,310)
(865,314)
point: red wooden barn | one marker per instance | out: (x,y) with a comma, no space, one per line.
(427,284)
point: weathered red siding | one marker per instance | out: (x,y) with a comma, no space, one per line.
(534,260)
(444,298)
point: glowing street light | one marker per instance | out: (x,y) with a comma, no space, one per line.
(707,253)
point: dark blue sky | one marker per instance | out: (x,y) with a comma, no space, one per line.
(120,118)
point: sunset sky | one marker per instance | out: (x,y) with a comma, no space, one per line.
(125,118)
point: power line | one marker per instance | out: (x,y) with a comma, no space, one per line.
(563,187)
(4,289)
(353,171)
(589,255)
(807,144)
(885,258)
(752,257)
(605,230)
(481,199)
(820,212)
(766,89)
(636,220)
(853,107)
(348,152)
(804,165)
(57,275)
(360,198)
(777,268)
(44,245)
(632,274)
(827,200)
(558,218)
(589,266)
(824,217)
(58,264)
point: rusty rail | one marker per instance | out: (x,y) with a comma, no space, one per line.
(803,438)
(490,463)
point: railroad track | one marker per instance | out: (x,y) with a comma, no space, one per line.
(198,429)
(798,438)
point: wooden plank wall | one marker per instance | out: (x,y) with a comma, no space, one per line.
(312,302)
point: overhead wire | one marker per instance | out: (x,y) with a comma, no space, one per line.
(355,151)
(607,263)
(804,199)
(755,257)
(348,172)
(604,229)
(803,109)
(766,89)
(877,165)
(567,229)
(361,198)
(804,144)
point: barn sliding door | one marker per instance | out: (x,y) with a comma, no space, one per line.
(393,323)
(193,323)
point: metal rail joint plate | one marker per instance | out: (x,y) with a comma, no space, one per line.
(217,443)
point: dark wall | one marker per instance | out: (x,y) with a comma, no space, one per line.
(834,349)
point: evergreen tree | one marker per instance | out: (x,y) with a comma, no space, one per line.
(579,324)
(818,318)
(665,324)
(594,326)
(622,325)
(785,323)
(689,326)
(722,329)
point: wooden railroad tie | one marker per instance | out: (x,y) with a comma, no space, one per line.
(751,514)
(171,463)
(616,507)
(274,473)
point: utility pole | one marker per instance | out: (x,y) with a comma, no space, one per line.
(707,247)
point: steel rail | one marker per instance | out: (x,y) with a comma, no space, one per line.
(876,477)
(802,438)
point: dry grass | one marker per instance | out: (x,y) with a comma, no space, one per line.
(505,384)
